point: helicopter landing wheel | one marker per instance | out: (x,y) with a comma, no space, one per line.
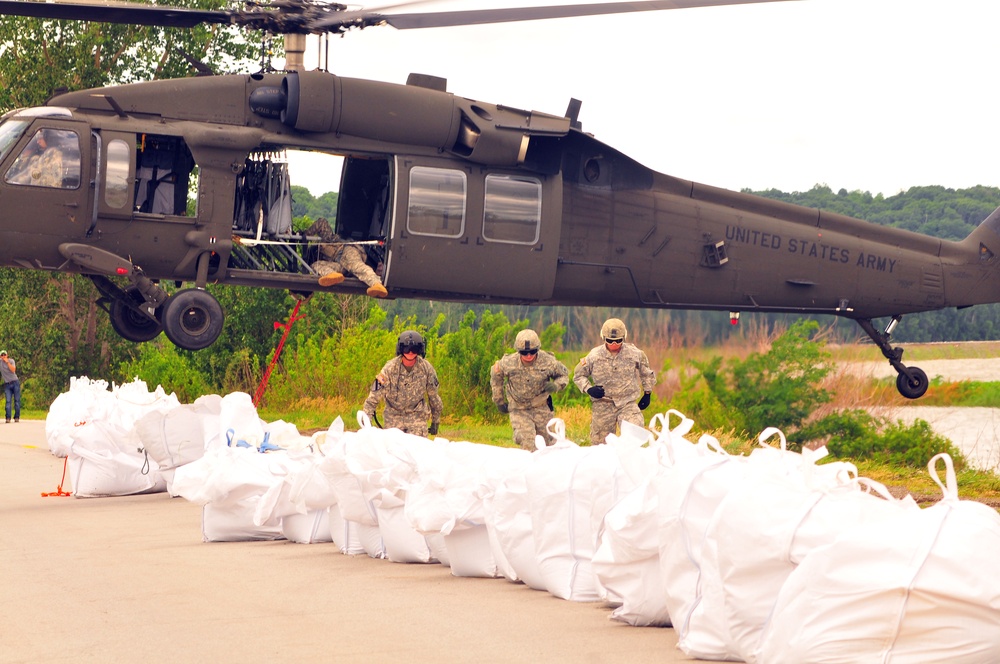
(132,324)
(914,385)
(192,319)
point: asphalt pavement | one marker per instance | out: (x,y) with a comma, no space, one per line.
(130,579)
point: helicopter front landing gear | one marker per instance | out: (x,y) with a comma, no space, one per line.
(132,311)
(911,382)
(192,318)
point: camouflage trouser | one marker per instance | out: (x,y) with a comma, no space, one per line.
(529,422)
(605,418)
(415,425)
(351,261)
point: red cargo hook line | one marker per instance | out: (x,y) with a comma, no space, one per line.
(277,351)
(59,490)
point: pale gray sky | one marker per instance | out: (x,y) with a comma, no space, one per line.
(877,95)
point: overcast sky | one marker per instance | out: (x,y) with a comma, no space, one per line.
(876,95)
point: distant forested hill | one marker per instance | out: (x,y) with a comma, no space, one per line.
(949,214)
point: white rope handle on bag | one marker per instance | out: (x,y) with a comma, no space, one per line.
(557,429)
(768,433)
(363,420)
(951,490)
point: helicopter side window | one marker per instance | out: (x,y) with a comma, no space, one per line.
(513,209)
(163,174)
(437,202)
(51,159)
(116,178)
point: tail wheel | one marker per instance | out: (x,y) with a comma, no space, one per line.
(192,319)
(132,324)
(914,385)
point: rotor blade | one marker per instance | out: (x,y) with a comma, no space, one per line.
(505,15)
(102,11)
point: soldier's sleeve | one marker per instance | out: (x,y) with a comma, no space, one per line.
(376,394)
(496,382)
(433,398)
(646,374)
(581,375)
(559,375)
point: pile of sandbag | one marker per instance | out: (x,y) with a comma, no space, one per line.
(775,556)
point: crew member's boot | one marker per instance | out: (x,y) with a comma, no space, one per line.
(330,279)
(377,290)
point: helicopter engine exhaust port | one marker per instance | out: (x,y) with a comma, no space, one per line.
(192,319)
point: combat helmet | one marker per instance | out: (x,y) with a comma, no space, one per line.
(613,328)
(411,342)
(527,340)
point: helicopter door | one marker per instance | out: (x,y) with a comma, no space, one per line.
(465,231)
(45,180)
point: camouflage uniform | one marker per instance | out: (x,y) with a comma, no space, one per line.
(42,170)
(341,257)
(625,376)
(410,395)
(526,388)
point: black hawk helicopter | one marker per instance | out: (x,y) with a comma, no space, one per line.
(455,199)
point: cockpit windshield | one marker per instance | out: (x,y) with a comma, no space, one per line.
(10,131)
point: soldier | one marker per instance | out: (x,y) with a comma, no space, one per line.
(342,257)
(40,164)
(620,373)
(409,386)
(523,383)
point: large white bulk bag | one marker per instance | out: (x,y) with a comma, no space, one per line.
(104,460)
(917,588)
(571,489)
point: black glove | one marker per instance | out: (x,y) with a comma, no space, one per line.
(548,402)
(502,407)
(434,429)
(596,392)
(644,401)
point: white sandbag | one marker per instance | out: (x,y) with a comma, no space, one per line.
(470,554)
(570,490)
(239,424)
(627,559)
(133,400)
(232,479)
(178,436)
(508,515)
(87,400)
(913,589)
(232,521)
(310,528)
(344,533)
(402,542)
(764,529)
(103,461)
(371,540)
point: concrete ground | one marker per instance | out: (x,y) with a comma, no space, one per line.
(129,579)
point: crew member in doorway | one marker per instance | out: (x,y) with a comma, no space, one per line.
(340,257)
(408,385)
(614,375)
(523,383)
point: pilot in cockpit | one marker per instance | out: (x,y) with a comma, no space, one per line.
(40,164)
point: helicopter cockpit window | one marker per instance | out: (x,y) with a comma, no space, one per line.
(51,159)
(116,178)
(10,132)
(437,202)
(513,209)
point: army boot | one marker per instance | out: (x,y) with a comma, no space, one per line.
(377,290)
(328,277)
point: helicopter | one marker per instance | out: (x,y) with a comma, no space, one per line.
(452,198)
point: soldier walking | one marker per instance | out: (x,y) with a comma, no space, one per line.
(523,383)
(614,375)
(409,386)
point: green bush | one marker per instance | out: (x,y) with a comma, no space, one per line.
(779,388)
(855,434)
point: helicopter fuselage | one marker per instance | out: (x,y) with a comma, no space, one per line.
(453,199)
